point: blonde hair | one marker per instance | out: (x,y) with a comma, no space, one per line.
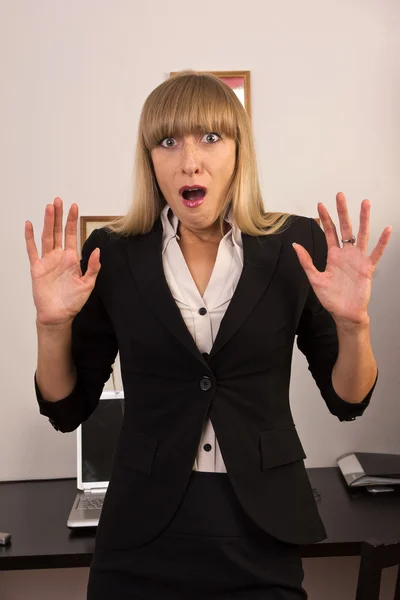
(192,102)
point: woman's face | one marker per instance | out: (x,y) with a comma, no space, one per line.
(206,160)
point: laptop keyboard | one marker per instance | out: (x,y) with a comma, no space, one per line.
(89,503)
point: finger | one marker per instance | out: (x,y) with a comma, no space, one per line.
(30,243)
(93,267)
(71,228)
(306,262)
(363,232)
(58,217)
(328,225)
(346,229)
(379,249)
(48,230)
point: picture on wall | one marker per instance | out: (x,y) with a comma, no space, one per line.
(89,224)
(239,81)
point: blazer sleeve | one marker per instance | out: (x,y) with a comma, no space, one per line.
(317,340)
(94,348)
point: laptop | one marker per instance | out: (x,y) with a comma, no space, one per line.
(96,442)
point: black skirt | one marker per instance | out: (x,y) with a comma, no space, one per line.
(210,550)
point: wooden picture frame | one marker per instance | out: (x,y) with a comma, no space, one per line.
(89,224)
(239,81)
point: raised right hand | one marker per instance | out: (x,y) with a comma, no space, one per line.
(59,289)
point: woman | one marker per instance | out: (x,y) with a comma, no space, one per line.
(202,293)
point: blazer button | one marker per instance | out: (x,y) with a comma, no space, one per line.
(205,383)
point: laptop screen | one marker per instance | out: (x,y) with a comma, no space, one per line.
(98,438)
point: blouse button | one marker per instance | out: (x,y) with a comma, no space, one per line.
(207,447)
(202,311)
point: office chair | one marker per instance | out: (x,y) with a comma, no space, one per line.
(376,556)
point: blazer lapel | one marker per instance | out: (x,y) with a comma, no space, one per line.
(145,260)
(260,257)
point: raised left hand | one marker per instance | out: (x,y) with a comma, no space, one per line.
(344,288)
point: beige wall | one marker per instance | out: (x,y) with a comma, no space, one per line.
(325,113)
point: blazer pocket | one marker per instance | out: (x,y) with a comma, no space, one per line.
(280,447)
(137,450)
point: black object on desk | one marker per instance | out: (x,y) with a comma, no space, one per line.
(35,512)
(370,469)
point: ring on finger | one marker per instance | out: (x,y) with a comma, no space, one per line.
(352,240)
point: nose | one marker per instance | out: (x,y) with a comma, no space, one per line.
(189,158)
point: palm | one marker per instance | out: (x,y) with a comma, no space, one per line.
(56,285)
(344,288)
(59,289)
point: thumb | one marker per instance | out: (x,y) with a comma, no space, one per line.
(93,267)
(305,261)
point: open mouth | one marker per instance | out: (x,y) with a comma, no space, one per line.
(193,192)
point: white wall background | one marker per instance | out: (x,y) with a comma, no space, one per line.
(325,96)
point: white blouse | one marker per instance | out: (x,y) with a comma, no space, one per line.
(203,327)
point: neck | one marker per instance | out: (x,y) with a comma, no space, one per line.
(210,235)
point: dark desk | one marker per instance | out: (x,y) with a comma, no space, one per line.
(35,513)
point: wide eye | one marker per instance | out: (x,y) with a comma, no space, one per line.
(168,139)
(216,135)
(211,138)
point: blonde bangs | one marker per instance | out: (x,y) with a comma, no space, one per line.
(184,105)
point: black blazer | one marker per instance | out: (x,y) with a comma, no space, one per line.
(171,388)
